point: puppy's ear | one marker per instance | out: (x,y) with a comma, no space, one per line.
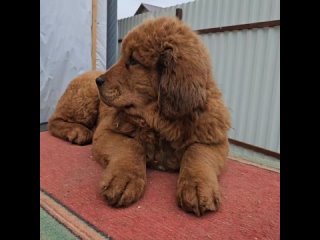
(182,87)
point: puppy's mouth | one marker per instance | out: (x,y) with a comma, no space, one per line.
(109,96)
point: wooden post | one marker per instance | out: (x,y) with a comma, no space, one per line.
(179,13)
(94,34)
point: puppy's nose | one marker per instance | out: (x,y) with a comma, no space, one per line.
(99,81)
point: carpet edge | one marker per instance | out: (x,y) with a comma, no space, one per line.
(74,223)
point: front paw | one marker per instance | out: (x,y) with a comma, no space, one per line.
(79,135)
(198,196)
(122,189)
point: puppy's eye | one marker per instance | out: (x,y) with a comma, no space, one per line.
(132,61)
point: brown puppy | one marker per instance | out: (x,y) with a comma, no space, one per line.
(159,106)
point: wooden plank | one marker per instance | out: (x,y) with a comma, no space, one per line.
(94,35)
(238,27)
(253,164)
(255,148)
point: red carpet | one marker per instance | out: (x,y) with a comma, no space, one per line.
(250,204)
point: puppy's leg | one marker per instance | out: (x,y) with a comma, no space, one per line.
(198,188)
(72,132)
(77,110)
(124,178)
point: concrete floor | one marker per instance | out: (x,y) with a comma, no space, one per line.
(43,127)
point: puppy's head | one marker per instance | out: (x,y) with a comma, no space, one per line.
(161,60)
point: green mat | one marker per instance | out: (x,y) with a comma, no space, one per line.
(50,229)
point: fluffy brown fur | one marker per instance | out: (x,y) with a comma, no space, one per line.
(159,106)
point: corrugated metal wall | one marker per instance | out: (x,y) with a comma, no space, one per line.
(246,63)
